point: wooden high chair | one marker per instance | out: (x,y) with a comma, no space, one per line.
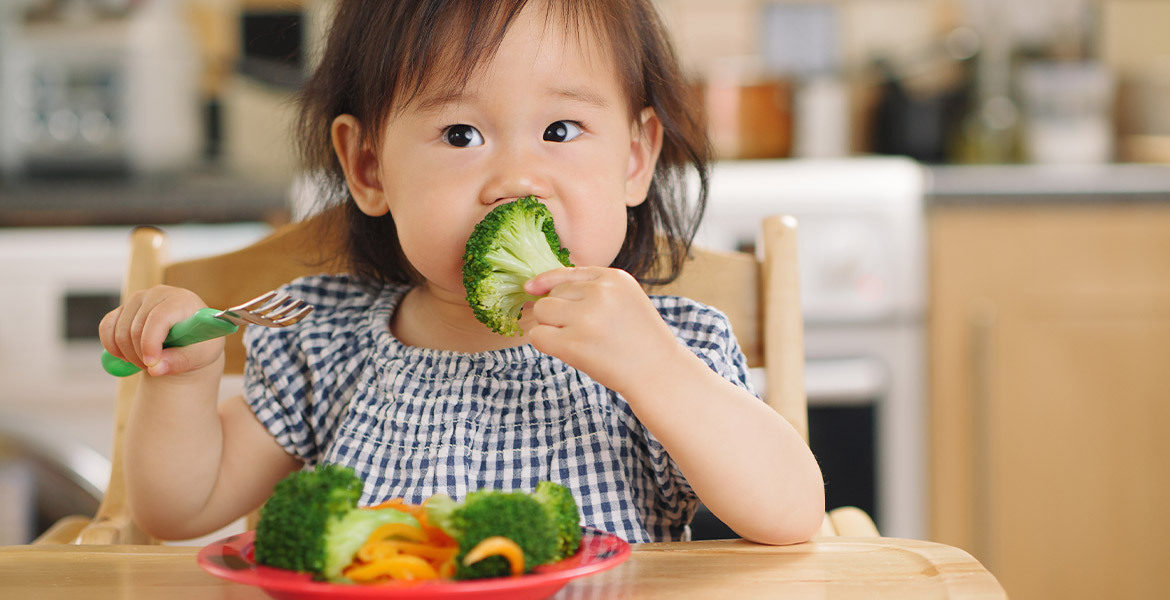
(761,298)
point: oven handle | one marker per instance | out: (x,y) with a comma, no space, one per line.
(846,381)
(838,381)
(982,322)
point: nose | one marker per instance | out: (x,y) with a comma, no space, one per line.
(516,171)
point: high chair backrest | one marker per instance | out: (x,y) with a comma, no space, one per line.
(762,300)
(760,297)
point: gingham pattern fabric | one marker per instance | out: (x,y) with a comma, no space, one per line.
(339,388)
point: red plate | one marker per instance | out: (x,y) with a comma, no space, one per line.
(231,558)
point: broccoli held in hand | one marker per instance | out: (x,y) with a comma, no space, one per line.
(512,244)
(542,528)
(312,523)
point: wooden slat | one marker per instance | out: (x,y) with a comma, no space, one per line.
(112,523)
(783,325)
(729,281)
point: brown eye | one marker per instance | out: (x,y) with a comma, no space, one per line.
(462,136)
(562,131)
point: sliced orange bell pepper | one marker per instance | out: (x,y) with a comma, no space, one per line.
(398,503)
(497,545)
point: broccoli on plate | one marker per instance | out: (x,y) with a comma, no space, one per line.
(561,507)
(312,523)
(544,524)
(513,243)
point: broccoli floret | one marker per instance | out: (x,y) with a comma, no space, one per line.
(558,501)
(515,242)
(514,515)
(312,523)
(439,508)
(536,522)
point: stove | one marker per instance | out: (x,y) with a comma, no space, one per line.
(863,293)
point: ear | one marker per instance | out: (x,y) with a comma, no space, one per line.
(360,162)
(645,144)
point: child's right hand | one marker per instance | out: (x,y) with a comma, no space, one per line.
(135,332)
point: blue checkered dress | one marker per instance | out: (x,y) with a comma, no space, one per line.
(339,388)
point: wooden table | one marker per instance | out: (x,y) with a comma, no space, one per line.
(838,568)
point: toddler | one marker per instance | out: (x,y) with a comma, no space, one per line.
(424,115)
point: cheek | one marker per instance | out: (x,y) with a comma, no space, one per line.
(432,245)
(597,236)
(430,226)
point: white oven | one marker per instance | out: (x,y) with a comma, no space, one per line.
(56,402)
(861,251)
(58,283)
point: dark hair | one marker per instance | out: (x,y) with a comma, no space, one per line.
(380,54)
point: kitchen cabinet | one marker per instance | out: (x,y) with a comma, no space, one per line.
(1049,345)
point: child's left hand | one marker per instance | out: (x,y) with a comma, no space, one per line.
(599,320)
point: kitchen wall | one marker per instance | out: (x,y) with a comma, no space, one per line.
(1119,46)
(957,66)
(709,31)
(821,95)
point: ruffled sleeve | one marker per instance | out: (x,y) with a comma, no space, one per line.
(295,376)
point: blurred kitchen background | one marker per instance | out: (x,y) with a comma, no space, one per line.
(983,188)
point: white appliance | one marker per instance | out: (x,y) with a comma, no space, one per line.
(56,402)
(58,283)
(862,273)
(98,89)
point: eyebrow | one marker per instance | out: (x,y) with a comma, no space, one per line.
(436,101)
(581,95)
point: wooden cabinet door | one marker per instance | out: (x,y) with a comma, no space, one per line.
(1050,396)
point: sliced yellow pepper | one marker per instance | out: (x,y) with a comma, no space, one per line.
(439,553)
(401,530)
(447,568)
(402,567)
(379,544)
(372,551)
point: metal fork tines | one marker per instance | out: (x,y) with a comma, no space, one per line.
(272,309)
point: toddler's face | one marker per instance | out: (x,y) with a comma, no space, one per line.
(545,116)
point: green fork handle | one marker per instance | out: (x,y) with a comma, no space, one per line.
(199,327)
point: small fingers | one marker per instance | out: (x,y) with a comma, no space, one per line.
(106,329)
(155,325)
(123,331)
(545,282)
(135,331)
(152,321)
(552,310)
(545,337)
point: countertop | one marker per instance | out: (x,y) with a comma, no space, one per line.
(211,195)
(823,568)
(1013,184)
(202,196)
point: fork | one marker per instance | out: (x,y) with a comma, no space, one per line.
(271,309)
